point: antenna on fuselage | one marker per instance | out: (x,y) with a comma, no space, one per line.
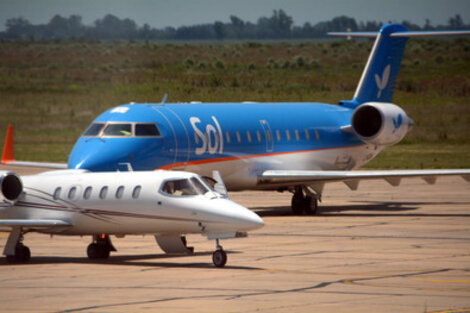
(164,98)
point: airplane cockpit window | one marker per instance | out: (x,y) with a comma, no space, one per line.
(184,187)
(146,130)
(123,130)
(93,130)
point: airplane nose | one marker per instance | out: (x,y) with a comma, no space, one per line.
(254,220)
(244,219)
(93,155)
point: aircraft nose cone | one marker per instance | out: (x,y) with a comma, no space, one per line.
(255,220)
(246,219)
(92,155)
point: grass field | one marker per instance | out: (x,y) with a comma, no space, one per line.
(51,91)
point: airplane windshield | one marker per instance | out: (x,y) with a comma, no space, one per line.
(118,130)
(145,130)
(93,130)
(184,187)
(122,130)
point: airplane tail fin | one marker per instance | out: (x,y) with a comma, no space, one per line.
(378,79)
(8,152)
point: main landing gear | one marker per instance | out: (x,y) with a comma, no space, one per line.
(219,257)
(100,248)
(304,202)
(15,250)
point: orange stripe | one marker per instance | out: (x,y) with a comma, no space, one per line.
(205,161)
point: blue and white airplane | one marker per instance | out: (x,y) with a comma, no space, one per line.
(296,147)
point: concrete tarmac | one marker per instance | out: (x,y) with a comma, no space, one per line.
(378,249)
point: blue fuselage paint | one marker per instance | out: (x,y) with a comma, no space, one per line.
(205,136)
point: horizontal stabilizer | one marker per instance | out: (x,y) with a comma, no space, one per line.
(406,34)
(379,78)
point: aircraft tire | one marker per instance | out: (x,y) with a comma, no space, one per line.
(297,202)
(310,205)
(219,257)
(22,255)
(97,251)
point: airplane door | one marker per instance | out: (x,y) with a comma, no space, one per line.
(177,143)
(268,135)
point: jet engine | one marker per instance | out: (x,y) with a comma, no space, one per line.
(380,123)
(10,186)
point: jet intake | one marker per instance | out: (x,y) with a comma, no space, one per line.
(10,186)
(380,123)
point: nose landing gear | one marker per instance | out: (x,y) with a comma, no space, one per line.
(219,257)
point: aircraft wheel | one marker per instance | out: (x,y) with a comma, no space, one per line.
(97,251)
(93,251)
(310,205)
(219,257)
(298,202)
(22,255)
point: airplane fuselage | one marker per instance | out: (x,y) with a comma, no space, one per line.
(241,140)
(124,203)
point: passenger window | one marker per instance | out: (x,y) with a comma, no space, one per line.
(147,130)
(119,192)
(227,136)
(123,130)
(248,135)
(317,134)
(288,135)
(72,193)
(239,138)
(103,192)
(57,193)
(136,192)
(93,130)
(278,135)
(258,135)
(269,136)
(297,135)
(307,135)
(87,193)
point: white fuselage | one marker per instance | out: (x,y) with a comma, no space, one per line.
(125,203)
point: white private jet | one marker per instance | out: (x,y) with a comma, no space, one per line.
(167,204)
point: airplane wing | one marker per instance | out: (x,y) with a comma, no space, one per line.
(9,225)
(8,157)
(289,178)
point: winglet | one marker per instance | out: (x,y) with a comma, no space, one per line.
(8,152)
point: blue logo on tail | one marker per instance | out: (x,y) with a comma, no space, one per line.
(382,82)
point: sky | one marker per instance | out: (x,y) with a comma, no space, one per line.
(162,13)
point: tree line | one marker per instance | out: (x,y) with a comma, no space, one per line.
(278,26)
